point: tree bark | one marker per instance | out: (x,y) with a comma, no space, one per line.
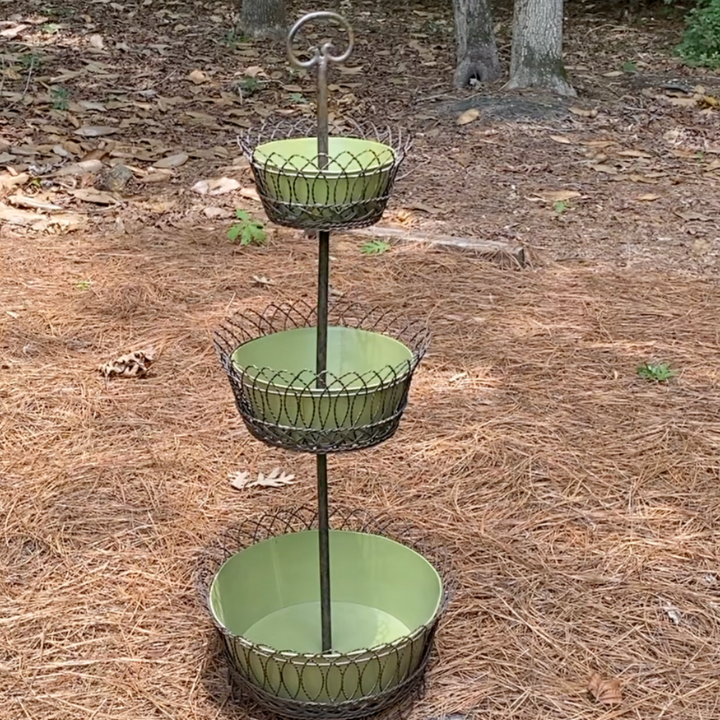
(264,19)
(537,47)
(477,55)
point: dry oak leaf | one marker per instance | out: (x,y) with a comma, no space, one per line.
(552,196)
(135,364)
(468,116)
(605,690)
(276,478)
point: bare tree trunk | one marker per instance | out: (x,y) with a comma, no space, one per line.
(264,18)
(477,55)
(537,47)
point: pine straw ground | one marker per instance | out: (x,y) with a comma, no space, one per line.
(581,502)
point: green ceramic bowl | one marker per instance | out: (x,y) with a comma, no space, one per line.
(368,378)
(385,600)
(290,179)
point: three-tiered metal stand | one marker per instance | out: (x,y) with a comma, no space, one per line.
(323,614)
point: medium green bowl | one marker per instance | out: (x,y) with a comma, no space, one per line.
(385,601)
(367,381)
(295,190)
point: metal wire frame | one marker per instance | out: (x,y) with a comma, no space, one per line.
(295,192)
(272,680)
(347,412)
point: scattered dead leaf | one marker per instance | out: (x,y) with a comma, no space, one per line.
(198,77)
(708,101)
(276,478)
(84,167)
(8,180)
(32,203)
(648,197)
(583,112)
(217,212)
(562,139)
(97,42)
(553,196)
(607,169)
(98,197)
(92,131)
(172,161)
(692,215)
(598,143)
(605,690)
(250,193)
(635,153)
(135,364)
(215,186)
(16,216)
(468,116)
(262,280)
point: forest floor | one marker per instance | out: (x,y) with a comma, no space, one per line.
(580,500)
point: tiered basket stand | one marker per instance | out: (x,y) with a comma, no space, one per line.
(323,614)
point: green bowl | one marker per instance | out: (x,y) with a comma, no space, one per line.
(368,379)
(385,601)
(296,191)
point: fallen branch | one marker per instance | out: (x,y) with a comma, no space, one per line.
(496,250)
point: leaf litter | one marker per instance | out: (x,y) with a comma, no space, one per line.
(274,479)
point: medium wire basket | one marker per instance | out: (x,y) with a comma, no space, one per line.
(357,403)
(336,686)
(350,190)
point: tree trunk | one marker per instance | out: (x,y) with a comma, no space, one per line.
(264,19)
(477,55)
(537,47)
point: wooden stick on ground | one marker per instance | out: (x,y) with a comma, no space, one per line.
(495,250)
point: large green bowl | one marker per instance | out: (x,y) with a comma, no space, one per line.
(367,382)
(385,601)
(353,186)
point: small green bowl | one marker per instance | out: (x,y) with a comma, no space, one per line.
(368,379)
(296,191)
(385,601)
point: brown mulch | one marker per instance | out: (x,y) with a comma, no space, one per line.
(580,502)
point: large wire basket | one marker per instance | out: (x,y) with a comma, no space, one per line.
(358,402)
(336,686)
(350,190)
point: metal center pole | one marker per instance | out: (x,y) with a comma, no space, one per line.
(322,57)
(322,333)
(322,487)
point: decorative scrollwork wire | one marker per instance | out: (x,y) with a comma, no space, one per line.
(289,410)
(350,192)
(356,685)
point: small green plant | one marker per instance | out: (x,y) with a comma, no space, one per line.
(249,86)
(60,98)
(51,28)
(247,231)
(298,98)
(375,247)
(701,41)
(83,284)
(561,206)
(657,372)
(31,61)
(629,67)
(233,38)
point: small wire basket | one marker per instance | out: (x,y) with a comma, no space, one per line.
(355,404)
(350,190)
(335,686)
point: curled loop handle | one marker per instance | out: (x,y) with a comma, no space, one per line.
(324,52)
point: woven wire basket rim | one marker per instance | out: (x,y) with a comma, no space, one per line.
(273,129)
(287,164)
(210,565)
(254,325)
